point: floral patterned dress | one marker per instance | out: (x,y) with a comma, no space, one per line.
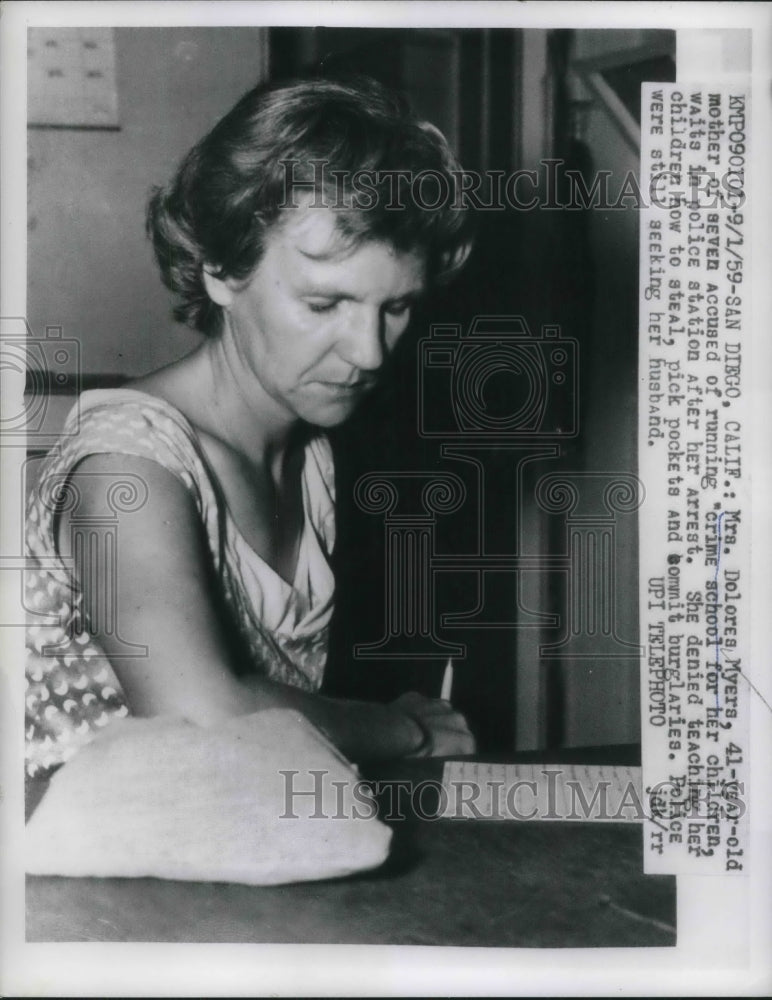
(72,691)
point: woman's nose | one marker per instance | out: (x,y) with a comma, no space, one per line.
(362,344)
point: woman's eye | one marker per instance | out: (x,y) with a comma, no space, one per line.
(398,309)
(322,307)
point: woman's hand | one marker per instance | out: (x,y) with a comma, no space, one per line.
(445,731)
(164,589)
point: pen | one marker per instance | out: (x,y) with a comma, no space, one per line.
(447,681)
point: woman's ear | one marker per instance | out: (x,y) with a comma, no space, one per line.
(219,290)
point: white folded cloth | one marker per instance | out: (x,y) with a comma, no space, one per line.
(163,797)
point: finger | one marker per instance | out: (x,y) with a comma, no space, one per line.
(454,734)
(450,744)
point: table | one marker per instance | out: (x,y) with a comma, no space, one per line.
(448,882)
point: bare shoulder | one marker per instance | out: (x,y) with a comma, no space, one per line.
(146,497)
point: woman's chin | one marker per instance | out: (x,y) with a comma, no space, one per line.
(335,408)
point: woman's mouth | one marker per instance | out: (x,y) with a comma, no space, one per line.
(349,388)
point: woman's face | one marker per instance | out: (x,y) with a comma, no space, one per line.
(313,325)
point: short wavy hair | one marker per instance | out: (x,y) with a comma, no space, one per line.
(387,174)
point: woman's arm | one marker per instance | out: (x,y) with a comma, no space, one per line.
(164,599)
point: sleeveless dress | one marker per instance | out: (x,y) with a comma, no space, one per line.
(72,691)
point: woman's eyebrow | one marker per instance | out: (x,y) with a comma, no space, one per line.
(321,255)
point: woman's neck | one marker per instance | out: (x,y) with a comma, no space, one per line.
(206,387)
(248,419)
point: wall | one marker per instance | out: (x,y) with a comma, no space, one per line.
(602,703)
(91,269)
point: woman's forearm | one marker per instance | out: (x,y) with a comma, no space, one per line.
(361,730)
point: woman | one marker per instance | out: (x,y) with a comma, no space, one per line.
(292,237)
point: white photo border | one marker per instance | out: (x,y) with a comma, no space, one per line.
(722,942)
